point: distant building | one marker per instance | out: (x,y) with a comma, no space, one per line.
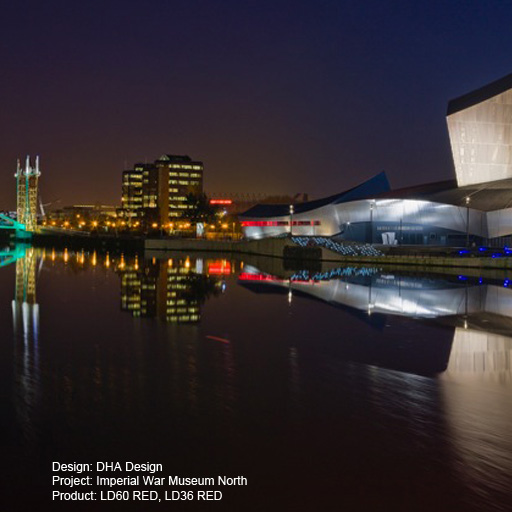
(157,192)
(82,216)
(183,177)
(236,203)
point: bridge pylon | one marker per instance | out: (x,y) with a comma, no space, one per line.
(26,193)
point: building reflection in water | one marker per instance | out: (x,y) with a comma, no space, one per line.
(480,355)
(473,365)
(478,405)
(475,378)
(477,310)
(170,289)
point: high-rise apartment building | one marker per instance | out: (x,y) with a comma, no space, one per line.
(181,176)
(132,191)
(157,192)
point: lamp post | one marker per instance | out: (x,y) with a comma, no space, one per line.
(291,219)
(372,206)
(468,199)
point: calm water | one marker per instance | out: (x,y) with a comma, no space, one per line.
(328,389)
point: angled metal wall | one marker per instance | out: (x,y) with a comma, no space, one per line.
(481,140)
(381,220)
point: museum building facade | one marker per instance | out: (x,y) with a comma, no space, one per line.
(473,208)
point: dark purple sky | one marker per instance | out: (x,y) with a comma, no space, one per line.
(273,96)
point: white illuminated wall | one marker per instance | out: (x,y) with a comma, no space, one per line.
(481,140)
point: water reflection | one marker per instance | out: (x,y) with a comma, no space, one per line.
(24,306)
(375,291)
(477,396)
(172,290)
(230,368)
(475,365)
(25,312)
(477,310)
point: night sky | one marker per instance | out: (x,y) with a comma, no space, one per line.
(273,96)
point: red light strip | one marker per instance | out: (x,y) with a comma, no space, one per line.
(221,201)
(220,268)
(245,276)
(274,223)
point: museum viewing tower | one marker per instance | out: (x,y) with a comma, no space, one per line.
(26,193)
(480,129)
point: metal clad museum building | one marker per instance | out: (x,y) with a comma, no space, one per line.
(474,208)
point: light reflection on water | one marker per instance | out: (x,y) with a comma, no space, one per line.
(409,373)
(477,395)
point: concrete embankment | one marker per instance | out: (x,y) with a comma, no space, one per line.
(275,247)
(87,241)
(266,247)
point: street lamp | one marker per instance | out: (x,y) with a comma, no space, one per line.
(372,206)
(468,199)
(291,218)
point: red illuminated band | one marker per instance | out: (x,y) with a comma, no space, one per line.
(245,276)
(221,201)
(220,268)
(274,223)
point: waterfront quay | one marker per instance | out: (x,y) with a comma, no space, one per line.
(277,247)
(288,248)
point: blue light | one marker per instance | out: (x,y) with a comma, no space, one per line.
(463,278)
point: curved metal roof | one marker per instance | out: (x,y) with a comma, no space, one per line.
(489,196)
(370,188)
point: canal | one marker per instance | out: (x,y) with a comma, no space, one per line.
(329,388)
